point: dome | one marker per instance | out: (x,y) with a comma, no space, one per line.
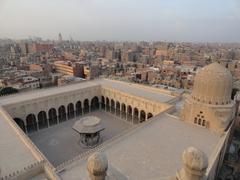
(213,85)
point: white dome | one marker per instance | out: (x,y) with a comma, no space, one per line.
(213,85)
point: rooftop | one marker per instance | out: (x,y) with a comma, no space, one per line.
(10,140)
(134,89)
(152,150)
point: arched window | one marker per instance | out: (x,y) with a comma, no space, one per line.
(199,121)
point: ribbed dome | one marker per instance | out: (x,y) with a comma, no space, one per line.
(213,85)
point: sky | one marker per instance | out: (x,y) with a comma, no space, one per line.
(122,20)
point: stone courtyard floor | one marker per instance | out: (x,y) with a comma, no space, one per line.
(59,143)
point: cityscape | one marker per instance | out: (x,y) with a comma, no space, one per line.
(119,108)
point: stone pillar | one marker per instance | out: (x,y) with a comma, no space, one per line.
(97,166)
(139,116)
(57,118)
(195,163)
(120,113)
(37,126)
(47,122)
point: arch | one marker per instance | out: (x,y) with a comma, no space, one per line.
(112,106)
(118,108)
(107,104)
(78,108)
(86,106)
(129,113)
(42,120)
(103,102)
(20,123)
(62,114)
(94,103)
(31,123)
(135,115)
(123,110)
(70,111)
(52,114)
(142,116)
(149,115)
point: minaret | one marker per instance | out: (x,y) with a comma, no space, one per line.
(59,37)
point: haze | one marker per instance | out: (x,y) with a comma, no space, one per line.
(120,20)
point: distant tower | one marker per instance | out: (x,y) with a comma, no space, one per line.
(59,37)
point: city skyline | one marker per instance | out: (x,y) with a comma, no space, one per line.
(189,21)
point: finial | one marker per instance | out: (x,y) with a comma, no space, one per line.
(97,166)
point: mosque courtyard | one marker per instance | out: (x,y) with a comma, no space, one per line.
(60,142)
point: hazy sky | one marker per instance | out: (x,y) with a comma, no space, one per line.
(135,20)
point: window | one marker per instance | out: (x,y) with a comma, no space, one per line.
(203,123)
(199,121)
(195,120)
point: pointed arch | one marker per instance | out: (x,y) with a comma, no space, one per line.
(31,123)
(86,106)
(70,111)
(103,102)
(78,108)
(135,115)
(149,115)
(52,114)
(62,116)
(94,103)
(20,123)
(142,116)
(118,108)
(112,106)
(42,120)
(107,104)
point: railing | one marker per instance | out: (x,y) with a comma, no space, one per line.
(31,167)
